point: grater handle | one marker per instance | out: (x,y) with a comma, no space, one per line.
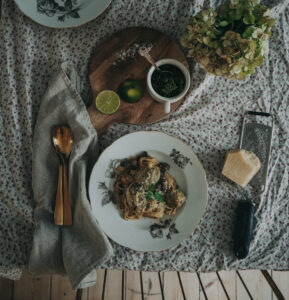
(258,113)
(243,228)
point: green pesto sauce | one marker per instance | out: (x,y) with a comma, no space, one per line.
(168,84)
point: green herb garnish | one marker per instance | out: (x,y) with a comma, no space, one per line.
(149,195)
(158,197)
(152,188)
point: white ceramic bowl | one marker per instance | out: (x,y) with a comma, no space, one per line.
(167,101)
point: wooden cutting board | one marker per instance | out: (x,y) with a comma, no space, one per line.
(116,60)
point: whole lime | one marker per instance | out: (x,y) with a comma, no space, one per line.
(131,90)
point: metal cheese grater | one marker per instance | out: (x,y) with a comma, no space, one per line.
(256,136)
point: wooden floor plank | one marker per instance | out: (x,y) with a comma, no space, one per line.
(242,294)
(29,287)
(61,288)
(82,294)
(95,292)
(211,285)
(151,286)
(256,284)
(281,278)
(32,288)
(132,285)
(113,285)
(6,289)
(191,285)
(172,289)
(230,283)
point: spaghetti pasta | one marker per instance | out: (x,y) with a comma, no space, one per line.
(144,188)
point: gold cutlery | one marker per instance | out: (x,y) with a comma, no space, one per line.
(63,141)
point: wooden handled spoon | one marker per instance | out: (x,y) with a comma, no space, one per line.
(63,141)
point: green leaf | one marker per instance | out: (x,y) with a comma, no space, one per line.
(239,13)
(271,22)
(152,188)
(149,195)
(246,20)
(248,32)
(158,197)
(214,44)
(231,16)
(223,23)
(249,19)
(252,19)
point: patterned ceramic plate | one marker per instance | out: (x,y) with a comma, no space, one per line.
(62,13)
(149,234)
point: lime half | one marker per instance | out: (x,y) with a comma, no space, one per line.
(107,102)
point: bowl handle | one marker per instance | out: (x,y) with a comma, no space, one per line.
(167,107)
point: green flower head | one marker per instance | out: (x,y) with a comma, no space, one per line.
(232,40)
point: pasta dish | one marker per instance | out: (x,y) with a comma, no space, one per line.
(144,188)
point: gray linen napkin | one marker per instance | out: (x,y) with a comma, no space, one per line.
(77,250)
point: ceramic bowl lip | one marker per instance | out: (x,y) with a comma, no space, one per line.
(173,62)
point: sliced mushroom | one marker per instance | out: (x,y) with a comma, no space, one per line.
(175,198)
(147,176)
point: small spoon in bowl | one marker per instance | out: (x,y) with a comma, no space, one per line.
(63,141)
(143,51)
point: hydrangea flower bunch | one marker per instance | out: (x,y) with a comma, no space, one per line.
(232,40)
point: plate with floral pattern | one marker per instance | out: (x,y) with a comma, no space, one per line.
(149,234)
(62,13)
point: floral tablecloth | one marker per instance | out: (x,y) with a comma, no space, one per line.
(208,120)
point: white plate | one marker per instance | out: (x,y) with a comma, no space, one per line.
(62,13)
(184,167)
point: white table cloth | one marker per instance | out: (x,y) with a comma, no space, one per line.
(208,120)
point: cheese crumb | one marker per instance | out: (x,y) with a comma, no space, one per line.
(241,166)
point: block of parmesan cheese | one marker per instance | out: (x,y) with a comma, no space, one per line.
(241,166)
